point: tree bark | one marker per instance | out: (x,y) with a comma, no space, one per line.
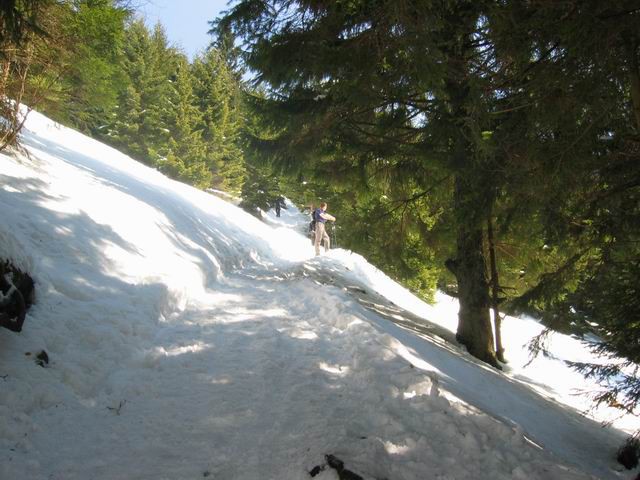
(472,199)
(631,45)
(473,195)
(474,319)
(495,288)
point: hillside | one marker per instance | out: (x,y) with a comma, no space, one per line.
(186,339)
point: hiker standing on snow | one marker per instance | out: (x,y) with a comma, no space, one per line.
(277,207)
(321,216)
(279,204)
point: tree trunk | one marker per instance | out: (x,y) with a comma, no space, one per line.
(472,196)
(631,44)
(474,319)
(495,288)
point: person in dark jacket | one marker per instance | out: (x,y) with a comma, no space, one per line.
(279,205)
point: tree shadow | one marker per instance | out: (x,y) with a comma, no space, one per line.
(75,287)
(212,240)
(557,428)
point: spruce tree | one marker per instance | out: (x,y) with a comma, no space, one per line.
(140,125)
(218,94)
(19,18)
(587,215)
(366,81)
(90,73)
(499,111)
(185,157)
(64,58)
(126,125)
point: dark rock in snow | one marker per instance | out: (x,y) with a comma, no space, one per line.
(338,465)
(316,470)
(42,358)
(629,453)
(17,295)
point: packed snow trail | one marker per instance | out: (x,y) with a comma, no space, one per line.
(189,340)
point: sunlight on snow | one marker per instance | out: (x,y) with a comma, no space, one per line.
(172,352)
(302,334)
(394,449)
(334,369)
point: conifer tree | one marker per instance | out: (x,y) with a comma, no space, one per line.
(125,129)
(363,83)
(90,73)
(585,205)
(144,106)
(18,19)
(65,60)
(259,190)
(492,122)
(218,94)
(185,157)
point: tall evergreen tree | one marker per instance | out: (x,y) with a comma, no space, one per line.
(64,58)
(485,108)
(140,123)
(185,157)
(368,81)
(588,214)
(93,74)
(218,94)
(260,190)
(19,18)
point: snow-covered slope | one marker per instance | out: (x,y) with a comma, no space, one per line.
(187,340)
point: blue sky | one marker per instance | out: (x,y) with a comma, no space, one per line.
(186,21)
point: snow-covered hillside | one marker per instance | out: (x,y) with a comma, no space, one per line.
(187,339)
